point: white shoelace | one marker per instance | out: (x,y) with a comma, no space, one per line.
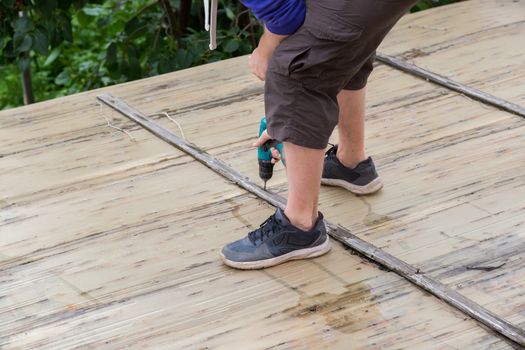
(210,21)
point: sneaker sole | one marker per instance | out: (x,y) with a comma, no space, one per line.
(293,255)
(369,188)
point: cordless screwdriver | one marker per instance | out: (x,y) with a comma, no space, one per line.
(264,155)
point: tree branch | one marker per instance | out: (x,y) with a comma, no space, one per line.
(184,15)
(170,16)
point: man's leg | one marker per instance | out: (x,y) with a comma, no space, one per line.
(304,165)
(351,126)
(303,169)
(298,232)
(347,165)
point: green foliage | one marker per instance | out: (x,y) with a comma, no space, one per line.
(426,4)
(44,24)
(78,45)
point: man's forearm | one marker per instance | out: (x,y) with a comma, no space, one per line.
(269,41)
(263,53)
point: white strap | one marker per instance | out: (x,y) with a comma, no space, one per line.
(210,21)
(207,15)
(213,24)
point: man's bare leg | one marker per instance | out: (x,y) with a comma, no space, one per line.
(299,232)
(351,126)
(353,171)
(303,169)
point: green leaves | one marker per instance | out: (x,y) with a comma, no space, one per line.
(22,26)
(426,4)
(22,40)
(230,14)
(183,59)
(83,18)
(119,40)
(7,3)
(111,54)
(64,23)
(116,28)
(79,45)
(64,77)
(44,24)
(231,45)
(40,41)
(23,63)
(132,66)
(47,7)
(93,11)
(23,45)
(52,56)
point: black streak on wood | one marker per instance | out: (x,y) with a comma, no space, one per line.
(484,268)
(507,330)
(451,84)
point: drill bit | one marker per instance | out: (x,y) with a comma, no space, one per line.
(265,185)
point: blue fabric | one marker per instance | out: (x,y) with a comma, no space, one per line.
(281,17)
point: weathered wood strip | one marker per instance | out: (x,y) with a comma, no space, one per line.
(451,84)
(374,253)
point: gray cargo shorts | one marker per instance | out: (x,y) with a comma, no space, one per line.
(333,50)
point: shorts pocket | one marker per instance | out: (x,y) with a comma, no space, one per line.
(334,44)
(292,55)
(319,52)
(298,61)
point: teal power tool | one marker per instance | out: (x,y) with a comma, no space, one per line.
(264,154)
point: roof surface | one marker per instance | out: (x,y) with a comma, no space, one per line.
(110,239)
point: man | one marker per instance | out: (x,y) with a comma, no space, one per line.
(315,59)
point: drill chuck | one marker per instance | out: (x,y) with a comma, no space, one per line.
(265,169)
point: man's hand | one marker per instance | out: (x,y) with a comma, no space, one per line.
(260,57)
(276,156)
(259,63)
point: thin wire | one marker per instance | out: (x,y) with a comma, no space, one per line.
(113,126)
(176,122)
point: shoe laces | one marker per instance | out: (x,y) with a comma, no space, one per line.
(265,230)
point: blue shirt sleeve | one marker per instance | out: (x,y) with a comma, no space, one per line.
(281,17)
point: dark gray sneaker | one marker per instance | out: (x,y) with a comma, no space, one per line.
(362,179)
(275,242)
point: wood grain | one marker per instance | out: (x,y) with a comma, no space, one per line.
(110,243)
(126,256)
(161,285)
(430,139)
(477,43)
(452,85)
(433,121)
(344,236)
